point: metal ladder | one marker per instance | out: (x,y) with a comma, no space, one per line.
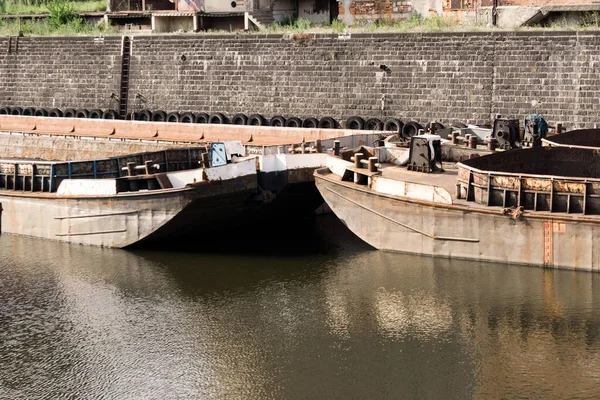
(125,62)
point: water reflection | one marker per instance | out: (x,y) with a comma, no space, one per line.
(330,319)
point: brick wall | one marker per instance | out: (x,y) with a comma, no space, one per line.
(543,2)
(370,10)
(60,72)
(449,77)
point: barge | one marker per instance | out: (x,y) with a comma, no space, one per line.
(537,206)
(70,180)
(113,202)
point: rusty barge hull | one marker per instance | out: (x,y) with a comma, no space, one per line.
(389,223)
(121,220)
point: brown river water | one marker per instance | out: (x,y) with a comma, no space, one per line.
(305,314)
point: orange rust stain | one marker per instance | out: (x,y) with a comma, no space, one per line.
(548,245)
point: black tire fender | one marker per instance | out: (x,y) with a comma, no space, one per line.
(310,123)
(355,122)
(373,124)
(5,111)
(217,118)
(110,114)
(28,111)
(40,112)
(435,125)
(159,116)
(201,118)
(293,122)
(327,123)
(95,114)
(187,118)
(393,124)
(173,117)
(82,113)
(256,120)
(69,113)
(55,113)
(277,120)
(411,129)
(239,119)
(16,111)
(143,115)
(458,125)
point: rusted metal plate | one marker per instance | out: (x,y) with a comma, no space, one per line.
(463,173)
(7,168)
(55,125)
(17,123)
(168,131)
(559,227)
(593,187)
(569,187)
(43,169)
(480,179)
(543,185)
(25,169)
(92,127)
(508,182)
(548,243)
(82,169)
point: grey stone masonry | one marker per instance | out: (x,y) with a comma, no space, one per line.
(61,72)
(410,76)
(467,77)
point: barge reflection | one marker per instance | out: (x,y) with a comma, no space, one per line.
(348,322)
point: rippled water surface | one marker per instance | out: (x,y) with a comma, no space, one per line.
(322,316)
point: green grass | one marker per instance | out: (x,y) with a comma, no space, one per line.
(413,24)
(589,20)
(62,19)
(40,7)
(74,27)
(64,22)
(416,23)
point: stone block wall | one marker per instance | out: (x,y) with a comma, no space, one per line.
(60,72)
(467,77)
(448,77)
(411,76)
(556,74)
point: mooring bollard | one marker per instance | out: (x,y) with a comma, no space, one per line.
(373,164)
(558,128)
(467,137)
(148,167)
(131,169)
(454,136)
(336,147)
(473,142)
(318,146)
(357,158)
(492,144)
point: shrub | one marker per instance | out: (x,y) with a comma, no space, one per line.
(61,13)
